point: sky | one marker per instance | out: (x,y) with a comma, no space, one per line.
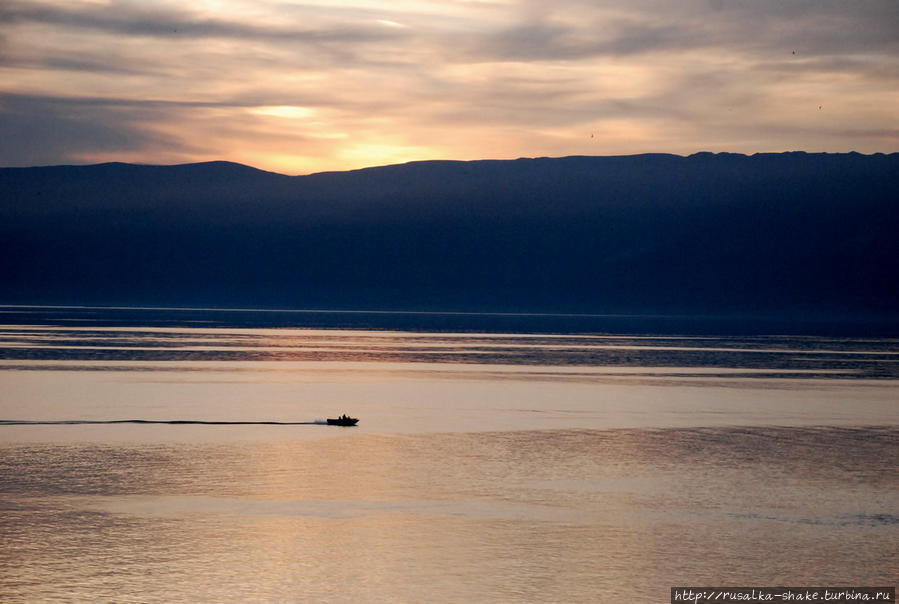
(306,86)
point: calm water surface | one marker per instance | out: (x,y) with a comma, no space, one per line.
(574,466)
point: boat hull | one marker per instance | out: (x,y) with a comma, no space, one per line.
(340,421)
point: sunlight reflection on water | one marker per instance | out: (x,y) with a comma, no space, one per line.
(486,467)
(507,516)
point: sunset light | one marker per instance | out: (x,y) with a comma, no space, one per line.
(302,87)
(449,301)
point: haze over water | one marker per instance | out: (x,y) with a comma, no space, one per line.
(498,458)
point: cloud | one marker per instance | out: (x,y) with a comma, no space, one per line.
(553,42)
(46,130)
(573,29)
(167,21)
(301,86)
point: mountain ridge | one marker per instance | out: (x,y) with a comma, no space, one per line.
(233,164)
(793,232)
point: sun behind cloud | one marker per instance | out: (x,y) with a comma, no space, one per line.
(302,87)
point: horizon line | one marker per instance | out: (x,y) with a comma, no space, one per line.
(338,311)
(648,315)
(422,161)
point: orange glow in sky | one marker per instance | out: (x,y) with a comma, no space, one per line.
(300,87)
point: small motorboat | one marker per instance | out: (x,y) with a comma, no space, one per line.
(343,420)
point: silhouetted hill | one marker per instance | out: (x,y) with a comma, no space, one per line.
(709,233)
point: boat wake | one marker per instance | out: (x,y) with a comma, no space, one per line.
(59,422)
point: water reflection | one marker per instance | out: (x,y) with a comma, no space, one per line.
(42,347)
(517,323)
(496,467)
(511,517)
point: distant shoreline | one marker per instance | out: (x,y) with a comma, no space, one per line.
(80,317)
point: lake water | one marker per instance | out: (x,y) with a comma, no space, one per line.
(497,458)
